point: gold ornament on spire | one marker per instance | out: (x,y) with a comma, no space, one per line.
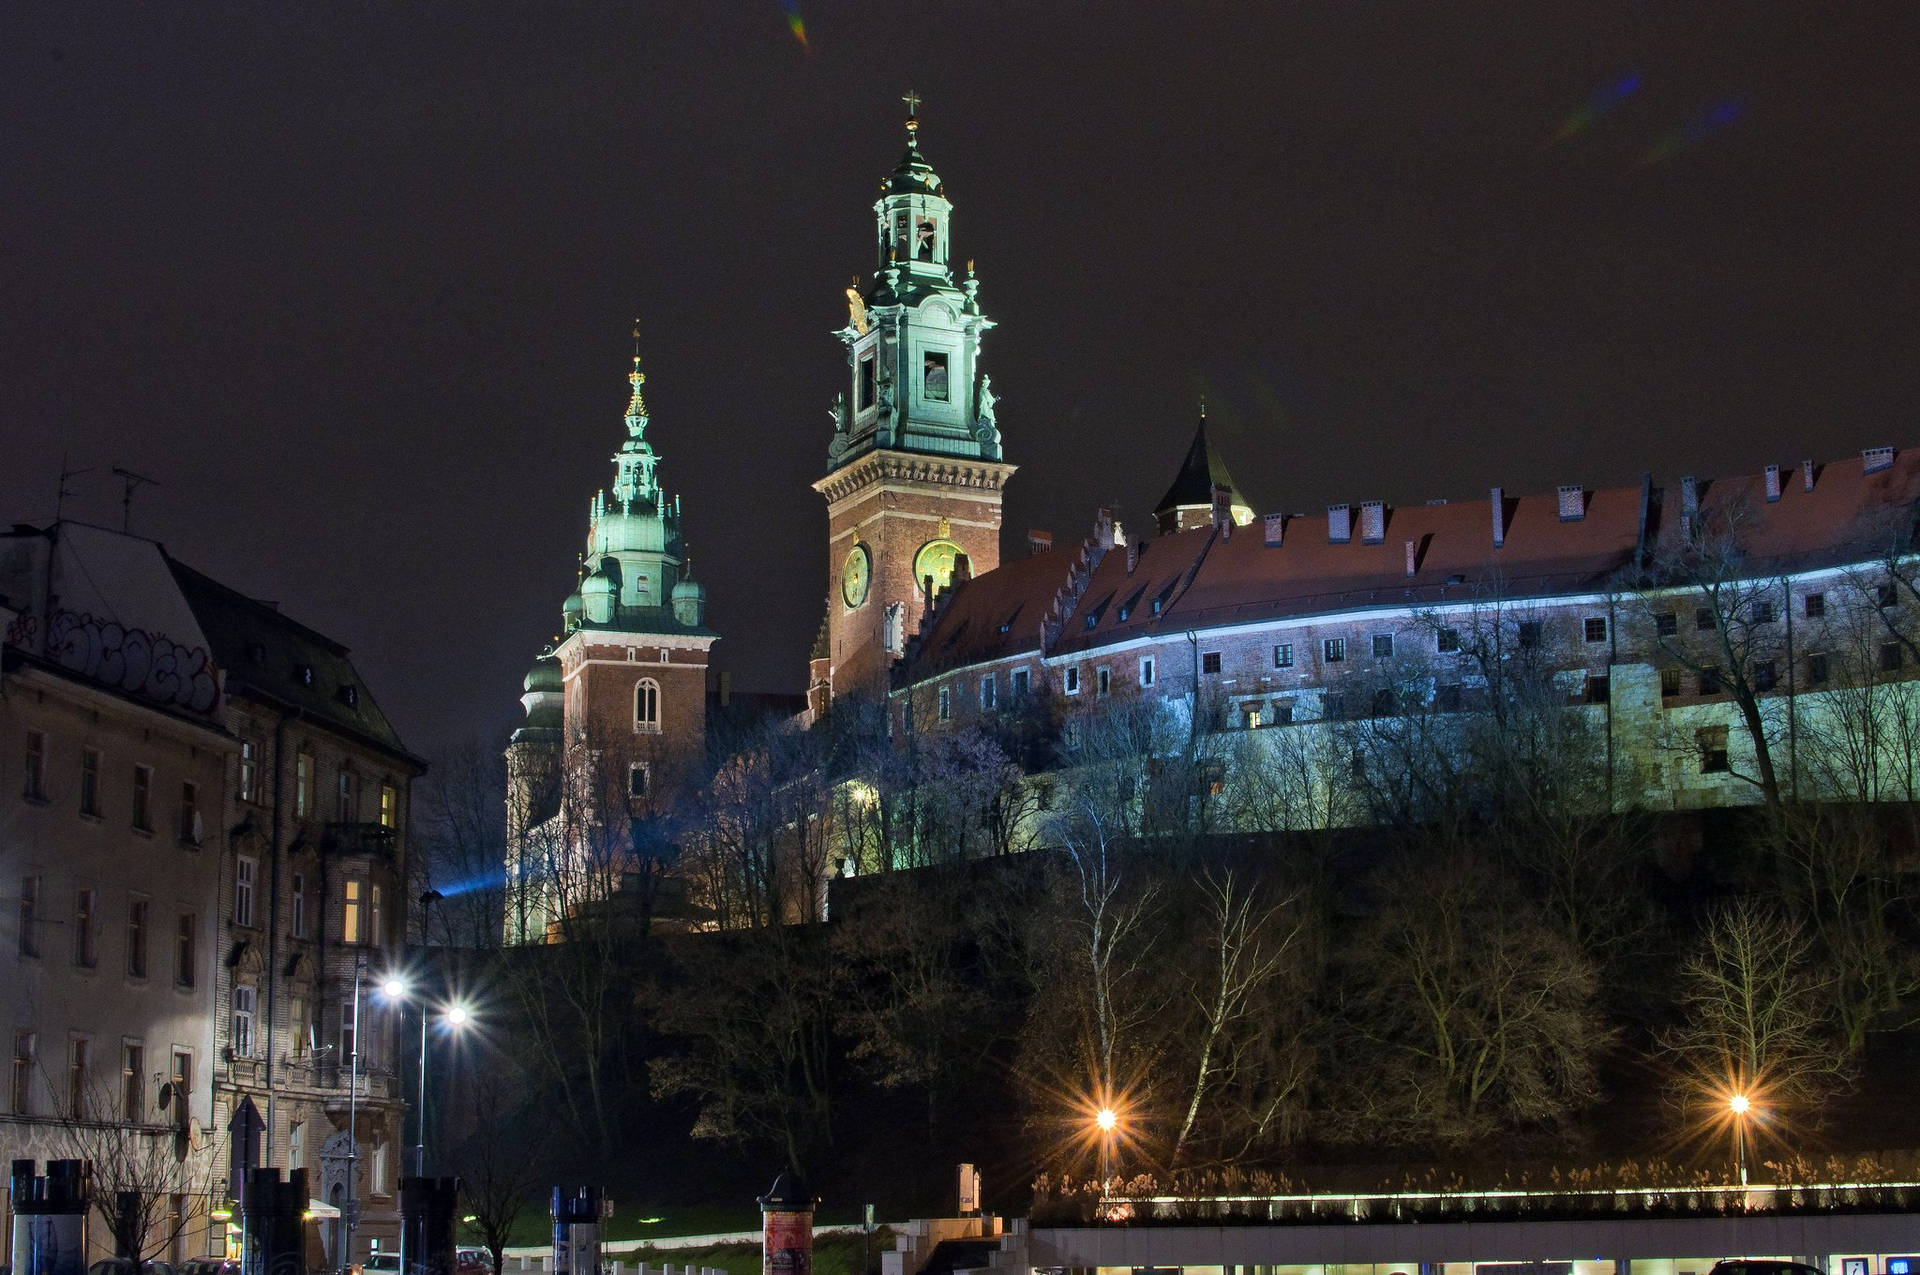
(637,406)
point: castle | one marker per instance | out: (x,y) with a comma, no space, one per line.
(1710,631)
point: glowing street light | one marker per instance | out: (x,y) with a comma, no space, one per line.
(1107,1121)
(1739,1104)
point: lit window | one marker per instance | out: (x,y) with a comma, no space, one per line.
(90,782)
(243,871)
(1333,650)
(389,806)
(646,705)
(1250,716)
(1146,670)
(1283,655)
(34,781)
(350,912)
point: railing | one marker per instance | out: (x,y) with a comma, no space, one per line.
(359,838)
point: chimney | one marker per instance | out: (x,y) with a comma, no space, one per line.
(1039,542)
(1689,503)
(1499,518)
(1875,459)
(962,568)
(1373,522)
(1103,529)
(1410,559)
(1806,475)
(1223,510)
(1276,527)
(1573,502)
(1133,558)
(1773,484)
(1339,525)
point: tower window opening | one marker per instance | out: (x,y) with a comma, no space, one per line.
(646,705)
(933,384)
(863,393)
(925,232)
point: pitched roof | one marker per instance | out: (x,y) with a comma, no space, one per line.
(1200,473)
(266,653)
(992,615)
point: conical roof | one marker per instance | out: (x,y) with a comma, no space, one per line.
(1200,473)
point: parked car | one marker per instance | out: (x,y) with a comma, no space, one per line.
(382,1264)
(210,1265)
(123,1266)
(469,1259)
(1762,1266)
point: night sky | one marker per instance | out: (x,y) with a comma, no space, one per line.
(355,282)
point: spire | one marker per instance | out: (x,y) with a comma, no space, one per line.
(1192,489)
(913,175)
(633,477)
(637,405)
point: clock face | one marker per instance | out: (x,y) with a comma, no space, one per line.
(855,575)
(935,559)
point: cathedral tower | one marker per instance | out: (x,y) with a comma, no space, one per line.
(914,471)
(617,709)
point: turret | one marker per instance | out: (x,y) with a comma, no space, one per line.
(689,602)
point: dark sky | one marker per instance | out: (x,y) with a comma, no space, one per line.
(354,282)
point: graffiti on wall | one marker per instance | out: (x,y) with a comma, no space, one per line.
(151,666)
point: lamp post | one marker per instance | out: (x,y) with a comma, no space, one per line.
(350,1215)
(454,1017)
(1740,1105)
(1107,1120)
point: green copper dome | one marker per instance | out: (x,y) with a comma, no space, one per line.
(544,676)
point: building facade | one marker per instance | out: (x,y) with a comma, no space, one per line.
(206,823)
(616,709)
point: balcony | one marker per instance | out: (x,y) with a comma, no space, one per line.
(372,840)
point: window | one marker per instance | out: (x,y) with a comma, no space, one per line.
(1333,650)
(377,1171)
(1210,661)
(1446,698)
(1019,681)
(1764,675)
(249,770)
(1703,619)
(1598,687)
(299,1030)
(1531,632)
(1446,641)
(303,785)
(646,705)
(389,806)
(133,1083)
(243,870)
(1596,628)
(944,699)
(376,927)
(183,954)
(1283,655)
(298,904)
(989,693)
(1886,595)
(1250,715)
(182,1078)
(1761,612)
(1072,679)
(637,781)
(1103,681)
(346,803)
(933,376)
(84,903)
(137,938)
(863,398)
(79,1059)
(244,999)
(1816,605)
(1890,656)
(143,798)
(1817,670)
(1710,683)
(1666,624)
(29,916)
(190,828)
(297,1145)
(22,1089)
(1669,682)
(1283,712)
(1146,670)
(90,782)
(347,1024)
(1333,705)
(34,782)
(1712,743)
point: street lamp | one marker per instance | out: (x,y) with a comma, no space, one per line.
(1739,1104)
(454,1017)
(1106,1120)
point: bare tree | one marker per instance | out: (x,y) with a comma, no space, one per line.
(500,1159)
(150,1182)
(1754,1015)
(460,828)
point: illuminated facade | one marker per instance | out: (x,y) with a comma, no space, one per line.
(914,467)
(616,709)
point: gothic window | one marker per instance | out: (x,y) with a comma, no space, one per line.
(646,705)
(933,384)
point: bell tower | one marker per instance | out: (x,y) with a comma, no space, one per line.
(914,469)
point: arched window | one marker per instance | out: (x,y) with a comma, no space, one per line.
(646,705)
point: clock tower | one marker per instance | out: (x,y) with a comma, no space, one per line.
(914,470)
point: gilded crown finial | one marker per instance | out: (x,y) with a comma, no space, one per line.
(637,406)
(912,99)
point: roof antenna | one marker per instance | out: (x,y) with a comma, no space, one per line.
(131,481)
(60,492)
